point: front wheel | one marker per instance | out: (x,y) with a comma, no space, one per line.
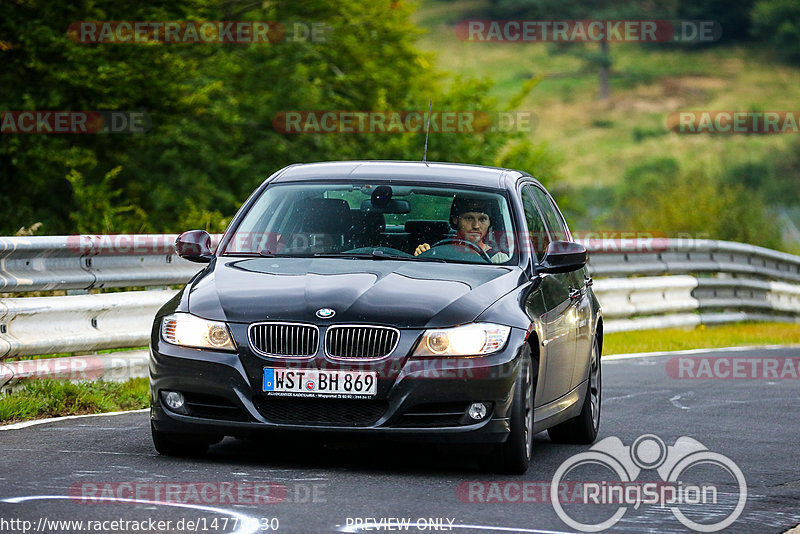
(583,428)
(514,456)
(170,444)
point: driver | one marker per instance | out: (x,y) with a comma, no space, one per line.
(470,218)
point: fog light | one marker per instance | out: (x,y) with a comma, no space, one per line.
(477,411)
(174,401)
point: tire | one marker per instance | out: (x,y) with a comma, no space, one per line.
(583,429)
(170,444)
(513,457)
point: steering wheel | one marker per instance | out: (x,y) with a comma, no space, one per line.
(457,241)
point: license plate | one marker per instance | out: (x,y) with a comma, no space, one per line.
(312,382)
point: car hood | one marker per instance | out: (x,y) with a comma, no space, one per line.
(403,294)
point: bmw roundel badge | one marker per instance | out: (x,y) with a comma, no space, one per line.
(325,313)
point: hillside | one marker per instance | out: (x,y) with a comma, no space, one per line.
(598,141)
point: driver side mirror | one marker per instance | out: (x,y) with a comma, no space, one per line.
(563,257)
(194,245)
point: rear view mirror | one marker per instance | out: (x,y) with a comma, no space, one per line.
(194,245)
(392,206)
(563,257)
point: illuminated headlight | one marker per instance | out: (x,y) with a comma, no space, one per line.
(468,340)
(191,331)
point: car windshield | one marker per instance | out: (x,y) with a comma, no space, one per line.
(377,220)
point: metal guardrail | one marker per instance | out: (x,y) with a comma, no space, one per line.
(660,256)
(79,323)
(83,262)
(641,284)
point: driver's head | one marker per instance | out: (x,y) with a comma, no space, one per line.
(470,218)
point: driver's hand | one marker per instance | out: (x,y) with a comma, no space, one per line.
(422,248)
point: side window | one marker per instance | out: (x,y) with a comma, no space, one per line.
(554,222)
(558,229)
(536,228)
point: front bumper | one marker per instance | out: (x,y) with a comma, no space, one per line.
(423,397)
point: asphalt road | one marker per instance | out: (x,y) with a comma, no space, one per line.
(312,485)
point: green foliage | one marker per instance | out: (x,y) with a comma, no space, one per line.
(773,173)
(44,70)
(50,398)
(640,133)
(98,207)
(211,107)
(660,196)
(195,218)
(777,22)
(733,17)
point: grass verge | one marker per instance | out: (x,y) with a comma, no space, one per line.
(702,337)
(52,398)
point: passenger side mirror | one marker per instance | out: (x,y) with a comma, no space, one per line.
(194,245)
(563,257)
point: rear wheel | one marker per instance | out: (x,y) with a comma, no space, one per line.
(514,456)
(583,428)
(174,444)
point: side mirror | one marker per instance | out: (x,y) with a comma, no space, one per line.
(194,245)
(563,257)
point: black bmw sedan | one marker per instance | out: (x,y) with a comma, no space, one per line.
(439,301)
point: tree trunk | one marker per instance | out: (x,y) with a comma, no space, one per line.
(605,71)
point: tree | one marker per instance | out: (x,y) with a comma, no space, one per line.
(777,22)
(45,70)
(212,107)
(553,10)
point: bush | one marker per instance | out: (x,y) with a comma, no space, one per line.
(659,196)
(777,22)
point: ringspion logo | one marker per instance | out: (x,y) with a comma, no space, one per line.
(705,491)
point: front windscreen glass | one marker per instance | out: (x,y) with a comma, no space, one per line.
(377,220)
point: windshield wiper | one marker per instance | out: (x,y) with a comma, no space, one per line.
(375,255)
(252,254)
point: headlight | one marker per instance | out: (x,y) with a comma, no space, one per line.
(189,330)
(468,340)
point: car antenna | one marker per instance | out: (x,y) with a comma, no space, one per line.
(427,130)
